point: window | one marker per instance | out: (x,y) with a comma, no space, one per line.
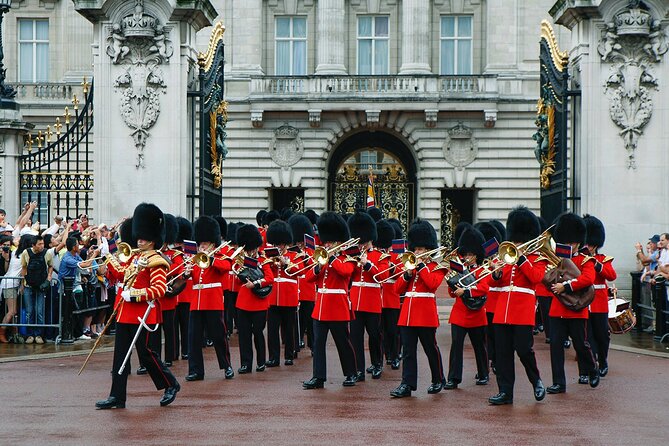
(41,214)
(291,46)
(33,50)
(373,37)
(456,45)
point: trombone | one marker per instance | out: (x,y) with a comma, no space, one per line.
(322,254)
(125,252)
(409,261)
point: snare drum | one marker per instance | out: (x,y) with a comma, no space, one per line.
(621,317)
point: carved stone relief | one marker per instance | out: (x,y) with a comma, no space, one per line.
(633,43)
(286,147)
(460,147)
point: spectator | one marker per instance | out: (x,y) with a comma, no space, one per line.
(11,267)
(24,219)
(56,228)
(663,260)
(36,269)
(649,261)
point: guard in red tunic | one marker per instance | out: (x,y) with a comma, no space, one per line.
(313,218)
(418,315)
(144,280)
(252,302)
(544,298)
(599,308)
(231,284)
(306,291)
(169,303)
(332,311)
(514,313)
(182,311)
(467,321)
(570,229)
(390,300)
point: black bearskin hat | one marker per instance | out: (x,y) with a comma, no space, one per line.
(595,233)
(332,227)
(125,231)
(286,213)
(231,236)
(421,235)
(500,228)
(279,233)
(375,213)
(362,225)
(148,223)
(397,226)
(311,215)
(260,215)
(185,229)
(269,217)
(385,234)
(522,225)
(459,229)
(543,224)
(489,231)
(471,241)
(249,237)
(569,228)
(171,229)
(206,229)
(300,225)
(222,223)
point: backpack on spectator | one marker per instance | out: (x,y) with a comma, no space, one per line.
(36,272)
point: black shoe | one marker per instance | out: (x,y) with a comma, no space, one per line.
(376,373)
(450,385)
(548,340)
(583,379)
(594,379)
(369,369)
(567,343)
(301,344)
(350,381)
(313,383)
(288,362)
(209,343)
(435,388)
(556,388)
(500,399)
(170,394)
(401,391)
(272,363)
(194,377)
(539,391)
(482,381)
(168,363)
(359,376)
(184,356)
(493,367)
(540,328)
(244,370)
(142,370)
(260,368)
(389,361)
(229,373)
(535,331)
(395,364)
(110,403)
(604,371)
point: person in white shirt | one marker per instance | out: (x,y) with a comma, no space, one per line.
(56,227)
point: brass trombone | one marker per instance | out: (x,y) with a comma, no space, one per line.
(321,255)
(125,251)
(409,261)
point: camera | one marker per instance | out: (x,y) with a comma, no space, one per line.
(5,248)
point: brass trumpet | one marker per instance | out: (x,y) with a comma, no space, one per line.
(203,259)
(321,254)
(125,252)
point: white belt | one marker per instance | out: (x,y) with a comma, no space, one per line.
(517,289)
(600,286)
(390,281)
(331,291)
(284,279)
(303,276)
(416,294)
(495,288)
(367,284)
(203,286)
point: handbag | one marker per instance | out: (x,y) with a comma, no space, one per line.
(254,274)
(564,271)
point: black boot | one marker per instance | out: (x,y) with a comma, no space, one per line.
(403,390)
(313,383)
(109,403)
(170,394)
(500,399)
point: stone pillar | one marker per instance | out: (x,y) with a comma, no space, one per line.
(330,29)
(247,37)
(142,52)
(12,129)
(415,37)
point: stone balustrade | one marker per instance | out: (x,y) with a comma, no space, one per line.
(47,91)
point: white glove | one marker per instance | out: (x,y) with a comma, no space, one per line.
(126,295)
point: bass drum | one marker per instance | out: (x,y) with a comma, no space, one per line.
(621,317)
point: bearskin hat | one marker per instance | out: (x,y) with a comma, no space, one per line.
(148,223)
(375,213)
(206,229)
(522,225)
(489,231)
(385,234)
(397,226)
(311,215)
(332,227)
(185,229)
(222,223)
(471,241)
(249,237)
(595,233)
(421,234)
(500,228)
(286,213)
(260,215)
(171,229)
(569,228)
(231,236)
(279,233)
(300,225)
(460,228)
(543,224)
(269,217)
(125,231)
(362,225)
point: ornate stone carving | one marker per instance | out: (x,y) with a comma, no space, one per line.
(286,147)
(140,42)
(256,118)
(431,118)
(632,43)
(314,118)
(373,117)
(460,146)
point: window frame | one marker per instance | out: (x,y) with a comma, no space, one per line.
(456,38)
(373,38)
(33,42)
(291,40)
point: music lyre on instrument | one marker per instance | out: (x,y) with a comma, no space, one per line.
(321,255)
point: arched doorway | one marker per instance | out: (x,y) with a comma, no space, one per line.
(393,170)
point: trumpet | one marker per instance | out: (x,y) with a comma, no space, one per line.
(322,254)
(203,259)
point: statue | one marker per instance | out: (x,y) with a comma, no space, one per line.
(657,43)
(609,44)
(117,49)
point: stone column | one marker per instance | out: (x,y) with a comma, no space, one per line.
(415,37)
(12,129)
(246,31)
(330,30)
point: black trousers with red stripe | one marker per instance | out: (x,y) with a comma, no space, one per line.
(477,336)
(519,339)
(212,321)
(161,375)
(428,339)
(390,333)
(170,339)
(281,319)
(577,329)
(342,338)
(372,323)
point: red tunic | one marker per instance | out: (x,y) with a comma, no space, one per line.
(389,296)
(170,303)
(603,271)
(332,302)
(284,291)
(208,285)
(587,278)
(463,316)
(420,305)
(540,289)
(365,291)
(247,299)
(516,303)
(306,291)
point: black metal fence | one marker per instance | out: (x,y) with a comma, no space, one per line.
(649,303)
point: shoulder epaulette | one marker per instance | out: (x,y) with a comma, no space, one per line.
(607,259)
(586,259)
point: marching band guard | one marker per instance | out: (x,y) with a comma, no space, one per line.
(332,311)
(306,291)
(144,280)
(182,311)
(390,299)
(599,308)
(514,313)
(570,229)
(544,298)
(169,303)
(283,299)
(418,315)
(252,308)
(206,306)
(231,284)
(465,321)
